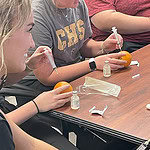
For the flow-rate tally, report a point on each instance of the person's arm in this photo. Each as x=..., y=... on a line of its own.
x=125, y=24
x=77, y=70
x=92, y=48
x=23, y=113
x=23, y=141
x=45, y=102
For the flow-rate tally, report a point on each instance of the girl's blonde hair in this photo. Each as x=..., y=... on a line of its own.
x=13, y=14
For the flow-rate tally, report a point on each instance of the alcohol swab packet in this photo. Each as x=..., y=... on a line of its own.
x=102, y=86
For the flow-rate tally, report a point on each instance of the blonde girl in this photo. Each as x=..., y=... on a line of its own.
x=16, y=22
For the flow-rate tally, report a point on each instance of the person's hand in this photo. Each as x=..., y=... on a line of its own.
x=114, y=61
x=38, y=58
x=110, y=43
x=52, y=99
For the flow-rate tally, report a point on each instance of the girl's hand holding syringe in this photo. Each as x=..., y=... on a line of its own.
x=51, y=59
x=39, y=57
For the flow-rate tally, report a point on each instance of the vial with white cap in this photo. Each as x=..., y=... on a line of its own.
x=75, y=101
x=107, y=69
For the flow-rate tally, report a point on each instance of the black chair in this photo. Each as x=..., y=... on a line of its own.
x=19, y=90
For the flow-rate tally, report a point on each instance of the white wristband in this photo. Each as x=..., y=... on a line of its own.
x=92, y=64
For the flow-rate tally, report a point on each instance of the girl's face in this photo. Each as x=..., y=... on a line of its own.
x=66, y=3
x=16, y=47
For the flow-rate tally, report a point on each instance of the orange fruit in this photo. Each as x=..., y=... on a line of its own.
x=127, y=57
x=61, y=83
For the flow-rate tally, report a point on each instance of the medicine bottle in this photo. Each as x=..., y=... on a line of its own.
x=106, y=69
x=75, y=101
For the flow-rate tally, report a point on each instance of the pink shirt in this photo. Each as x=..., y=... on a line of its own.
x=129, y=7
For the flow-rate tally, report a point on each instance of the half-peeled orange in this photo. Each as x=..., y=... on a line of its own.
x=127, y=57
x=61, y=83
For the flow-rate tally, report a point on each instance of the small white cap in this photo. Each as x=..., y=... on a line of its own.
x=148, y=106
x=106, y=61
x=74, y=92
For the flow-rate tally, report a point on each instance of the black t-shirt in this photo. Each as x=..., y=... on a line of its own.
x=6, y=139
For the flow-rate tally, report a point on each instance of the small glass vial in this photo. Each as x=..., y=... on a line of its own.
x=75, y=101
x=106, y=69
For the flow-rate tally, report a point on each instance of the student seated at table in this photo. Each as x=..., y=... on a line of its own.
x=15, y=39
x=130, y=17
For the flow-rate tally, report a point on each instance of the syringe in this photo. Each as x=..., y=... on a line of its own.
x=114, y=30
x=50, y=57
x=144, y=145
